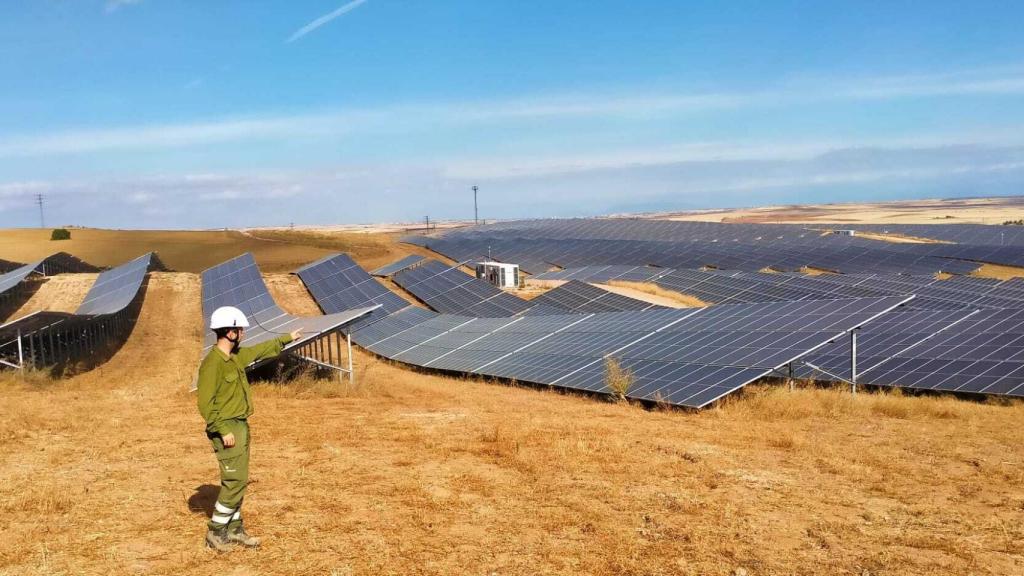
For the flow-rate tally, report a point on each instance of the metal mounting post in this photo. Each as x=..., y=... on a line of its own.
x=351, y=373
x=853, y=361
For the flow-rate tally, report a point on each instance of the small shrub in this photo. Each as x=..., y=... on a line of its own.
x=60, y=234
x=618, y=379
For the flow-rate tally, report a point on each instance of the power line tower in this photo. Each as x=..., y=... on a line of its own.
x=42, y=218
x=476, y=216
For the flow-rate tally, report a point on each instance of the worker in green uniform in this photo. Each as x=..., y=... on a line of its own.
x=225, y=401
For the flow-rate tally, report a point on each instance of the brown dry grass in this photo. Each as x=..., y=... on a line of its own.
x=899, y=238
x=812, y=271
x=928, y=211
x=409, y=473
x=999, y=272
x=657, y=295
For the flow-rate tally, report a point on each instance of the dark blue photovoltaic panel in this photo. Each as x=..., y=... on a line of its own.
x=449, y=290
x=337, y=284
x=397, y=266
x=237, y=282
x=698, y=364
x=115, y=289
x=17, y=276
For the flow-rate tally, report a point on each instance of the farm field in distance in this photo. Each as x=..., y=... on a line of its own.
x=408, y=472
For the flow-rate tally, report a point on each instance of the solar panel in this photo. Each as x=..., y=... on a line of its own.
x=17, y=276
x=46, y=338
x=982, y=354
x=337, y=284
x=447, y=289
x=60, y=262
x=707, y=356
x=237, y=282
x=116, y=288
x=398, y=266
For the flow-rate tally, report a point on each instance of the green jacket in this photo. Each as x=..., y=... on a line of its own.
x=224, y=392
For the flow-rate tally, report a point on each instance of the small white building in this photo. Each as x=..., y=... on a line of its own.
x=845, y=232
x=500, y=274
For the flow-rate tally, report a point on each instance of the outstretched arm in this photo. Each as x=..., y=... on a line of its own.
x=249, y=354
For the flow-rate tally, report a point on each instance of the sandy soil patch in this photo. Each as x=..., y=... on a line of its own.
x=999, y=272
x=60, y=293
x=654, y=294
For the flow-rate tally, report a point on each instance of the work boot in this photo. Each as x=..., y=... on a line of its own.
x=238, y=535
x=218, y=539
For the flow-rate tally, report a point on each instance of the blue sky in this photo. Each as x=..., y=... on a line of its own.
x=171, y=114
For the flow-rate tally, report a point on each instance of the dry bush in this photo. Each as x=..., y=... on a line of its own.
x=618, y=379
x=27, y=378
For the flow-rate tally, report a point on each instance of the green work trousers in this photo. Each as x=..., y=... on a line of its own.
x=234, y=474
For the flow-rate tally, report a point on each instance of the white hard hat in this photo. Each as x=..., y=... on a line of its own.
x=228, y=317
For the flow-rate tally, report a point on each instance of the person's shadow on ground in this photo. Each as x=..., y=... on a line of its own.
x=203, y=499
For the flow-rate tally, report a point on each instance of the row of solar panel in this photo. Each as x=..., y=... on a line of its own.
x=238, y=282
x=892, y=349
x=540, y=255
x=447, y=289
x=908, y=349
x=535, y=245
x=45, y=336
x=686, y=357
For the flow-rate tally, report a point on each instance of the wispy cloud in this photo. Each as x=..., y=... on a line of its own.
x=325, y=19
x=115, y=5
x=598, y=186
x=431, y=118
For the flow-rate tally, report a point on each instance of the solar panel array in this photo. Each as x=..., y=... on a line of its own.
x=339, y=284
x=46, y=338
x=58, y=263
x=979, y=352
x=897, y=352
x=543, y=245
x=237, y=282
x=447, y=289
x=891, y=351
x=115, y=288
x=688, y=357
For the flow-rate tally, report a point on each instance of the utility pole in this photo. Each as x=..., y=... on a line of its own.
x=427, y=220
x=476, y=215
x=39, y=201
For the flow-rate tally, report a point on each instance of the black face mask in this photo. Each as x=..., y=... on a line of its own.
x=234, y=342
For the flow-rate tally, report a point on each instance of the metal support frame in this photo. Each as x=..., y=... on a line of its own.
x=319, y=352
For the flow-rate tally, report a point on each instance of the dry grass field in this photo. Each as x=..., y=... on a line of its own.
x=953, y=211
x=183, y=251
x=109, y=472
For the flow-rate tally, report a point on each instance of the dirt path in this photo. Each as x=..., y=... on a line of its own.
x=409, y=473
